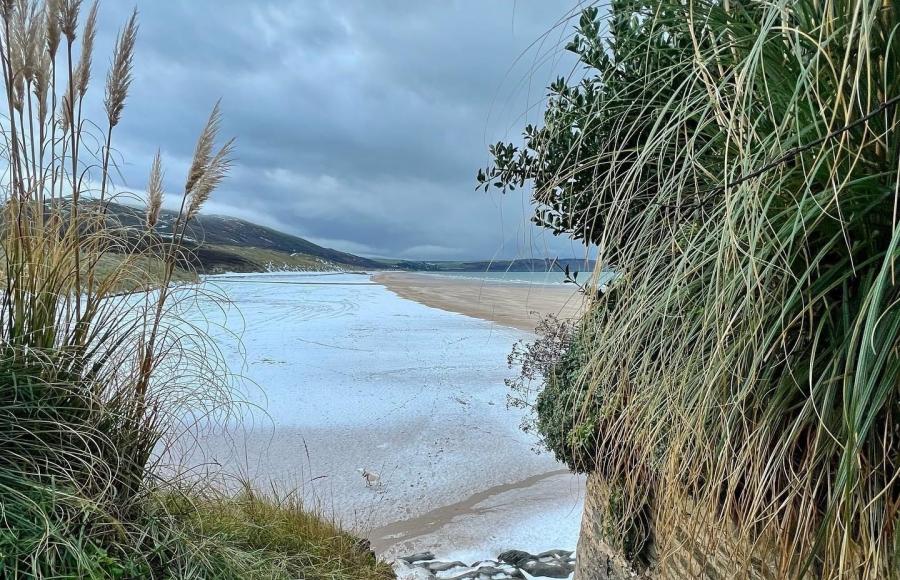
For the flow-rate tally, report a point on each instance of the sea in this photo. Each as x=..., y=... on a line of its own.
x=550, y=278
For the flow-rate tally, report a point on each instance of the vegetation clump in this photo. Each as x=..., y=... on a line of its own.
x=736, y=164
x=548, y=388
x=91, y=378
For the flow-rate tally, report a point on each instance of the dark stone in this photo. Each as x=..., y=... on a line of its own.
x=515, y=557
x=511, y=571
x=547, y=570
x=466, y=576
x=422, y=557
x=444, y=566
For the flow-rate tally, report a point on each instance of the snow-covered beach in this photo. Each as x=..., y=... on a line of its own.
x=348, y=375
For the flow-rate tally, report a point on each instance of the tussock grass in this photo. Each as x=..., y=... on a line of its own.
x=742, y=162
x=275, y=536
x=94, y=380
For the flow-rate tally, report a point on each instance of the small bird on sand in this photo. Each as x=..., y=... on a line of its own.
x=371, y=477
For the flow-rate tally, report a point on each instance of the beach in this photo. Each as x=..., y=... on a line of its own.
x=517, y=305
x=339, y=373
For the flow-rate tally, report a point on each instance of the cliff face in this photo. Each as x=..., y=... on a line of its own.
x=691, y=551
x=597, y=559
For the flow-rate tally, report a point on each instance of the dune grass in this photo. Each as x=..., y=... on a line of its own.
x=94, y=379
x=737, y=164
x=750, y=356
x=272, y=536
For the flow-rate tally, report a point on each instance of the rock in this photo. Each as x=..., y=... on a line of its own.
x=467, y=576
x=486, y=573
x=547, y=570
x=515, y=557
x=510, y=565
x=421, y=557
x=443, y=566
x=454, y=573
x=485, y=563
x=407, y=571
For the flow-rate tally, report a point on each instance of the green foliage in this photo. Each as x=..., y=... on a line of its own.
x=536, y=362
x=629, y=70
x=736, y=162
x=566, y=413
x=53, y=533
x=635, y=539
x=252, y=536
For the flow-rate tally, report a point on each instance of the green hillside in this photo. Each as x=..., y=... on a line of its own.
x=227, y=244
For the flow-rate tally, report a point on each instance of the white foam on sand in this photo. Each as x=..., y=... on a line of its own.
x=351, y=376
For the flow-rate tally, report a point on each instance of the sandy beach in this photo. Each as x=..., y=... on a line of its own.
x=340, y=373
x=516, y=305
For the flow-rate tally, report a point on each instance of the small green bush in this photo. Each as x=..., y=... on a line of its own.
x=566, y=425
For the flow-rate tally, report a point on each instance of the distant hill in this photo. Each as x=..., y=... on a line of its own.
x=227, y=244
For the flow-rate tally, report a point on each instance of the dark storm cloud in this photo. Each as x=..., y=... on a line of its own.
x=360, y=124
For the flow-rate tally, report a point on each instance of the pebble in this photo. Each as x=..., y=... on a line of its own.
x=510, y=565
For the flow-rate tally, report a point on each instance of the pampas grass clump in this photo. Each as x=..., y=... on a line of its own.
x=91, y=378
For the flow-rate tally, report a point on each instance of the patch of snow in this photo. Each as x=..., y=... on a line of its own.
x=351, y=376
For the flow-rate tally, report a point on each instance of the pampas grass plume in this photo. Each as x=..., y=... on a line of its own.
x=83, y=72
x=213, y=175
x=203, y=150
x=68, y=18
x=118, y=79
x=53, y=9
x=155, y=191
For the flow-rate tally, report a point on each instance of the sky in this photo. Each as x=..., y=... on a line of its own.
x=359, y=124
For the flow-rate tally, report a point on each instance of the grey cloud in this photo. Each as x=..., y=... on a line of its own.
x=360, y=124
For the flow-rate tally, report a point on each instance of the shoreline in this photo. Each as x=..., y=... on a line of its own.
x=355, y=375
x=517, y=305
x=550, y=491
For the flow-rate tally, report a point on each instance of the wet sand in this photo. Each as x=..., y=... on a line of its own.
x=476, y=527
x=516, y=305
x=480, y=526
x=339, y=374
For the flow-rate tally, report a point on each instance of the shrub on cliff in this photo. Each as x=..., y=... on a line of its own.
x=736, y=163
x=549, y=387
x=565, y=413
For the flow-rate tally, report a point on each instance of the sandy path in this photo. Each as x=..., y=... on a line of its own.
x=515, y=305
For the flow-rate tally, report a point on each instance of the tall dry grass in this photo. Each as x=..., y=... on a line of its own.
x=742, y=162
x=87, y=386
